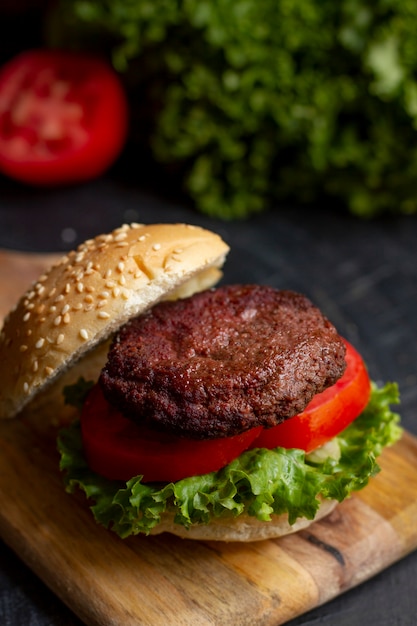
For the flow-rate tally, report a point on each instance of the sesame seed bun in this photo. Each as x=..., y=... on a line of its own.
x=91, y=292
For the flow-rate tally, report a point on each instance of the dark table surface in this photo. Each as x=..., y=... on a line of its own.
x=362, y=274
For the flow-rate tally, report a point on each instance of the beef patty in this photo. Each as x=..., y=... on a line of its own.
x=222, y=361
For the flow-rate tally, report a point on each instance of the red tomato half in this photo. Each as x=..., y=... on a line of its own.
x=327, y=414
x=118, y=449
x=63, y=117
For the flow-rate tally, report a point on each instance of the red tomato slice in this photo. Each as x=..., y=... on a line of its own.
x=118, y=449
x=63, y=117
x=327, y=414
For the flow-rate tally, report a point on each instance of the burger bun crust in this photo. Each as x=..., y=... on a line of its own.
x=243, y=528
x=91, y=292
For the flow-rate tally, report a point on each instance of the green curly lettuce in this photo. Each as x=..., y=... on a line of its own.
x=259, y=482
x=258, y=101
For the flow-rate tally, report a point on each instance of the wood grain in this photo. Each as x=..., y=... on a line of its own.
x=166, y=580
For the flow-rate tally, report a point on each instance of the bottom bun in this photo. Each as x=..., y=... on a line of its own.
x=242, y=528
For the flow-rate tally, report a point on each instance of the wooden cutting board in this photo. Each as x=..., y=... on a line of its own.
x=165, y=580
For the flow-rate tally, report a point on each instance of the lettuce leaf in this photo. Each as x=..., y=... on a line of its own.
x=259, y=482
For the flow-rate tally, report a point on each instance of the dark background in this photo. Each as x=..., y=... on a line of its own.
x=362, y=274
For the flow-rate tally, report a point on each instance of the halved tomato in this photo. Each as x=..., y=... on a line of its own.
x=63, y=117
x=119, y=449
x=327, y=414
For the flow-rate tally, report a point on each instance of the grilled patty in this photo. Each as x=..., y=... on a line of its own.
x=222, y=361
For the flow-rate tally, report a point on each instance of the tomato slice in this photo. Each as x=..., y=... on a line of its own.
x=63, y=117
x=327, y=414
x=119, y=449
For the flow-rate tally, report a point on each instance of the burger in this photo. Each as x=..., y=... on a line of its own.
x=215, y=412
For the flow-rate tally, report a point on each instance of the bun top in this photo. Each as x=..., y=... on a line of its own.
x=91, y=292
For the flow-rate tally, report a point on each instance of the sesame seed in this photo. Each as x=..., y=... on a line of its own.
x=57, y=320
x=80, y=287
x=88, y=307
x=103, y=294
x=103, y=315
x=67, y=288
x=156, y=246
x=59, y=298
x=60, y=339
x=26, y=316
x=101, y=304
x=125, y=294
x=83, y=333
x=89, y=299
x=116, y=292
x=67, y=318
x=122, y=280
x=110, y=284
x=52, y=308
x=23, y=348
x=26, y=388
x=120, y=236
x=121, y=244
x=48, y=370
x=142, y=238
x=120, y=266
x=35, y=366
x=65, y=309
x=77, y=307
x=89, y=289
x=51, y=293
x=40, y=343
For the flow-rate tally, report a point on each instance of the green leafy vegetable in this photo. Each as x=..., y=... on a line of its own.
x=260, y=482
x=75, y=394
x=261, y=100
